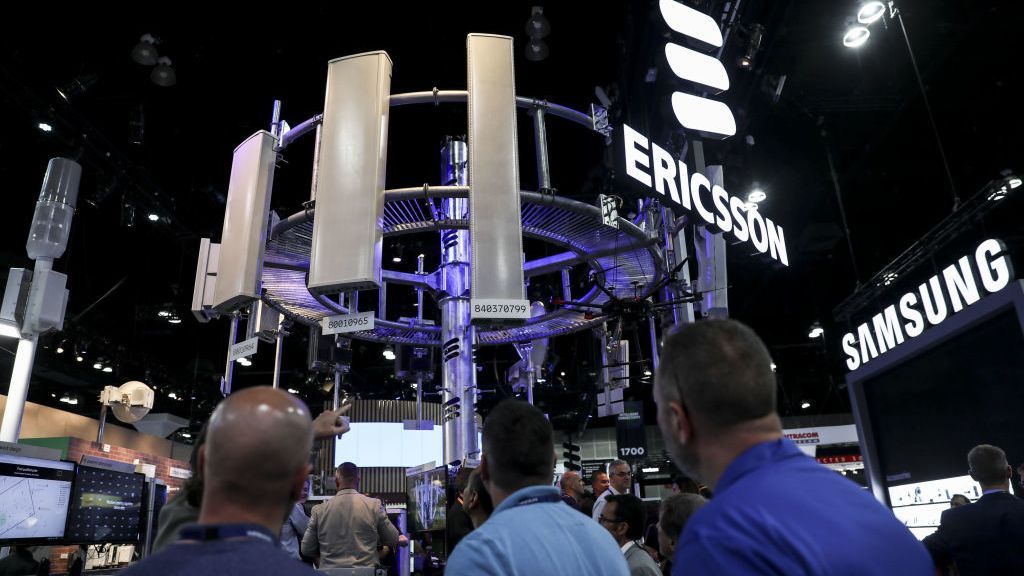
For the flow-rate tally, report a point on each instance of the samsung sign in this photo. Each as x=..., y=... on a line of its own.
x=661, y=175
x=958, y=286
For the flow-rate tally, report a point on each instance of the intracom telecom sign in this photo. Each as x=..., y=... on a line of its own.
x=656, y=169
x=959, y=284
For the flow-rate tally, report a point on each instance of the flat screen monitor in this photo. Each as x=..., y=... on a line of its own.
x=106, y=506
x=922, y=406
x=427, y=500
x=34, y=497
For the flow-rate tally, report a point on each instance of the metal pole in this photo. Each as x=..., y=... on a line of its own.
x=566, y=286
x=654, y=342
x=842, y=210
x=419, y=289
x=928, y=108
x=540, y=135
x=103, y=424
x=229, y=370
x=275, y=120
x=277, y=355
x=419, y=398
x=10, y=429
x=316, y=162
x=458, y=371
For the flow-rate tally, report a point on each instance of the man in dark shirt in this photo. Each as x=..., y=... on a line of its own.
x=775, y=510
x=458, y=523
x=986, y=537
x=572, y=489
x=254, y=465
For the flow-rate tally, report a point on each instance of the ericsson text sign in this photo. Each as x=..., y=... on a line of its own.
x=670, y=179
x=958, y=286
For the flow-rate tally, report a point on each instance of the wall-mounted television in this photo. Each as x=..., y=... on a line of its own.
x=34, y=498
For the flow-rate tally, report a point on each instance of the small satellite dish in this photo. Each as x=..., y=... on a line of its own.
x=130, y=402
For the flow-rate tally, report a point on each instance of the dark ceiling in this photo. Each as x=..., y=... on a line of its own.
x=863, y=105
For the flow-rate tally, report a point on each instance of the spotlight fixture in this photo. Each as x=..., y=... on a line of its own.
x=144, y=52
x=647, y=372
x=397, y=258
x=889, y=278
x=77, y=87
x=389, y=353
x=154, y=217
x=164, y=314
x=174, y=319
x=856, y=36
x=186, y=435
x=773, y=366
x=536, y=50
x=163, y=74
x=537, y=26
x=44, y=127
x=108, y=369
x=98, y=366
x=746, y=61
x=816, y=331
x=805, y=405
x=870, y=12
x=60, y=348
x=79, y=358
x=172, y=395
x=293, y=391
x=750, y=206
x=756, y=195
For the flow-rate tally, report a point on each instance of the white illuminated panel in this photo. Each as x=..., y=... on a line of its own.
x=920, y=506
x=703, y=115
x=388, y=444
x=696, y=67
x=690, y=22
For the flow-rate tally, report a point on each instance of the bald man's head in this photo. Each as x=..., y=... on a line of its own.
x=257, y=448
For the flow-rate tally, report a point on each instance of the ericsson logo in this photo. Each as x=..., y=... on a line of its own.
x=707, y=117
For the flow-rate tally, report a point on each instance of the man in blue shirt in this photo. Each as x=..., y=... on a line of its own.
x=775, y=511
x=531, y=531
x=254, y=465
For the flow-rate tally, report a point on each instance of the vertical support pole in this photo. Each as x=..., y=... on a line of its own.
x=566, y=286
x=229, y=370
x=654, y=342
x=100, y=431
x=540, y=136
x=675, y=251
x=279, y=338
x=10, y=429
x=714, y=279
x=458, y=371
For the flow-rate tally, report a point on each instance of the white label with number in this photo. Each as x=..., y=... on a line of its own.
x=631, y=451
x=347, y=323
x=500, y=309
x=243, y=349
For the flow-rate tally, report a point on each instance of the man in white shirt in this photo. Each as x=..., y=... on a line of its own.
x=619, y=477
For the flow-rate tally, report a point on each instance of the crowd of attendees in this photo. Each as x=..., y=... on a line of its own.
x=749, y=502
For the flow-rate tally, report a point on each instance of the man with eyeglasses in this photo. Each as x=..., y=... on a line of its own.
x=619, y=477
x=624, y=518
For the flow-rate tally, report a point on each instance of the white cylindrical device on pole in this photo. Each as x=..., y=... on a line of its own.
x=51, y=223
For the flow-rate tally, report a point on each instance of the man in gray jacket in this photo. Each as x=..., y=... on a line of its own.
x=623, y=516
x=344, y=531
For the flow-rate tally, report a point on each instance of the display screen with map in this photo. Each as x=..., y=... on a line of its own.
x=106, y=506
x=34, y=497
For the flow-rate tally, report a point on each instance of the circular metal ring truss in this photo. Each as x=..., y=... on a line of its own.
x=623, y=259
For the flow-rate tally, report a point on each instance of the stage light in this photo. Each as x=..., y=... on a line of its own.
x=870, y=12
x=537, y=26
x=108, y=369
x=186, y=435
x=163, y=74
x=756, y=195
x=389, y=354
x=77, y=87
x=536, y=50
x=746, y=61
x=79, y=358
x=174, y=320
x=293, y=391
x=154, y=217
x=816, y=331
x=145, y=51
x=1014, y=182
x=856, y=36
x=172, y=395
x=750, y=206
x=60, y=349
x=163, y=314
x=773, y=366
x=98, y=366
x=647, y=372
x=44, y=127
x=805, y=405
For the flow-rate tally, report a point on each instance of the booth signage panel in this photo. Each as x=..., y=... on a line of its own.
x=957, y=286
x=345, y=323
x=107, y=464
x=630, y=435
x=180, y=473
x=243, y=349
x=807, y=439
